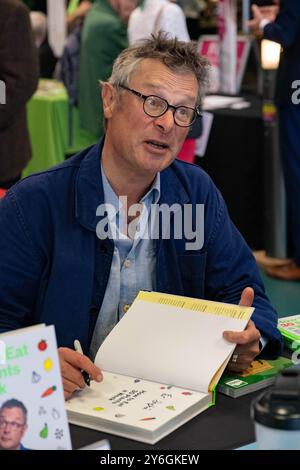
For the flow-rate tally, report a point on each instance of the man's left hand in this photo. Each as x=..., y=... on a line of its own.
x=247, y=341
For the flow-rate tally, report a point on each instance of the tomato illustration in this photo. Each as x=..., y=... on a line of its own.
x=42, y=345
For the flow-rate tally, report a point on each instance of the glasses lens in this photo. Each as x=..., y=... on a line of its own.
x=155, y=106
x=12, y=424
x=184, y=116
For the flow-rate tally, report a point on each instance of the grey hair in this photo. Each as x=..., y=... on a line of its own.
x=179, y=56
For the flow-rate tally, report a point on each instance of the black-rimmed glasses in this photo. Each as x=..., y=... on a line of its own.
x=155, y=106
x=12, y=424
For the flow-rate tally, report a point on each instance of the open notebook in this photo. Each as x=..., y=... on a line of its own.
x=161, y=364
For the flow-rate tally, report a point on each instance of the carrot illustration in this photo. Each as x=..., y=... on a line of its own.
x=49, y=391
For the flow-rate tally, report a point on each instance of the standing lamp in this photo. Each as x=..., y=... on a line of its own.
x=275, y=225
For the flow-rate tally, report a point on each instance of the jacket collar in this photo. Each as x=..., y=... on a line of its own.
x=89, y=192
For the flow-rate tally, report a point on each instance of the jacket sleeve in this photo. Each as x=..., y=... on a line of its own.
x=286, y=27
x=20, y=267
x=230, y=268
x=19, y=67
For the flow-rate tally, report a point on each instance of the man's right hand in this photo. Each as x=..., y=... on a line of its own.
x=269, y=12
x=259, y=13
x=71, y=365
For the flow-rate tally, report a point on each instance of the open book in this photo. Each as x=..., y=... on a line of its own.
x=32, y=405
x=160, y=364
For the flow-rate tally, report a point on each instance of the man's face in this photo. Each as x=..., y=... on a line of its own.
x=12, y=428
x=131, y=134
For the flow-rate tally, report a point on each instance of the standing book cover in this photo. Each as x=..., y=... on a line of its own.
x=289, y=327
x=260, y=374
x=160, y=364
x=32, y=405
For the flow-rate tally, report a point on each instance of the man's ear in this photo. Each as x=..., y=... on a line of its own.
x=109, y=98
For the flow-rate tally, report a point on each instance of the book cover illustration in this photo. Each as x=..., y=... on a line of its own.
x=32, y=408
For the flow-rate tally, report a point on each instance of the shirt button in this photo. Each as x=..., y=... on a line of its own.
x=127, y=263
x=125, y=308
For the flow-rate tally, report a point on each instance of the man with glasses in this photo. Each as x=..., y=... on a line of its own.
x=13, y=425
x=72, y=246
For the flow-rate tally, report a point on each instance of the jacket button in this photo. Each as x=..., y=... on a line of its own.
x=126, y=307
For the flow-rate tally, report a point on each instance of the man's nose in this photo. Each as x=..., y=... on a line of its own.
x=166, y=121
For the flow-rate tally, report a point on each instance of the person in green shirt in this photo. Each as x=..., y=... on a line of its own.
x=103, y=37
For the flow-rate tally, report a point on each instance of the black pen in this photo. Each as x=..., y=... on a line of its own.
x=85, y=375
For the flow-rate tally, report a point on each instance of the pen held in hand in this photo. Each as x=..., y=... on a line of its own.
x=85, y=375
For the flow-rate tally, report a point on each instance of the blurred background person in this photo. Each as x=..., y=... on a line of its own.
x=19, y=71
x=154, y=16
x=67, y=69
x=38, y=21
x=77, y=13
x=283, y=27
x=103, y=37
x=46, y=57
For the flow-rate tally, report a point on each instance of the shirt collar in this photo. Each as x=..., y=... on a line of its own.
x=151, y=197
x=89, y=191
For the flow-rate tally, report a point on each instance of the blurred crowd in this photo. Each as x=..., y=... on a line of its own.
x=73, y=41
x=77, y=42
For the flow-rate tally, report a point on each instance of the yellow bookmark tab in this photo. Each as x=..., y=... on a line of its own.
x=199, y=305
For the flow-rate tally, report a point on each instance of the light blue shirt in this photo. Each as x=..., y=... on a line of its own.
x=133, y=264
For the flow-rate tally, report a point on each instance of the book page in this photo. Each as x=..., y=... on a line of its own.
x=129, y=401
x=172, y=339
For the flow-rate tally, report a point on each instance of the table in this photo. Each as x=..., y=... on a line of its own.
x=234, y=160
x=48, y=122
x=227, y=425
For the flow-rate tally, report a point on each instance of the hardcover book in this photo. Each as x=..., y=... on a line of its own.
x=32, y=405
x=259, y=375
x=289, y=327
x=160, y=365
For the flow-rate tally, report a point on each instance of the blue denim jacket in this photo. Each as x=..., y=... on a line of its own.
x=54, y=269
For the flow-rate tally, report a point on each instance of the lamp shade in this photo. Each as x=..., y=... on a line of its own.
x=270, y=54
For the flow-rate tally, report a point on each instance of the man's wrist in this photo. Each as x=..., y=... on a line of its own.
x=263, y=23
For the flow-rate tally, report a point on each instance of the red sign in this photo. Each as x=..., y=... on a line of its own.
x=209, y=47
